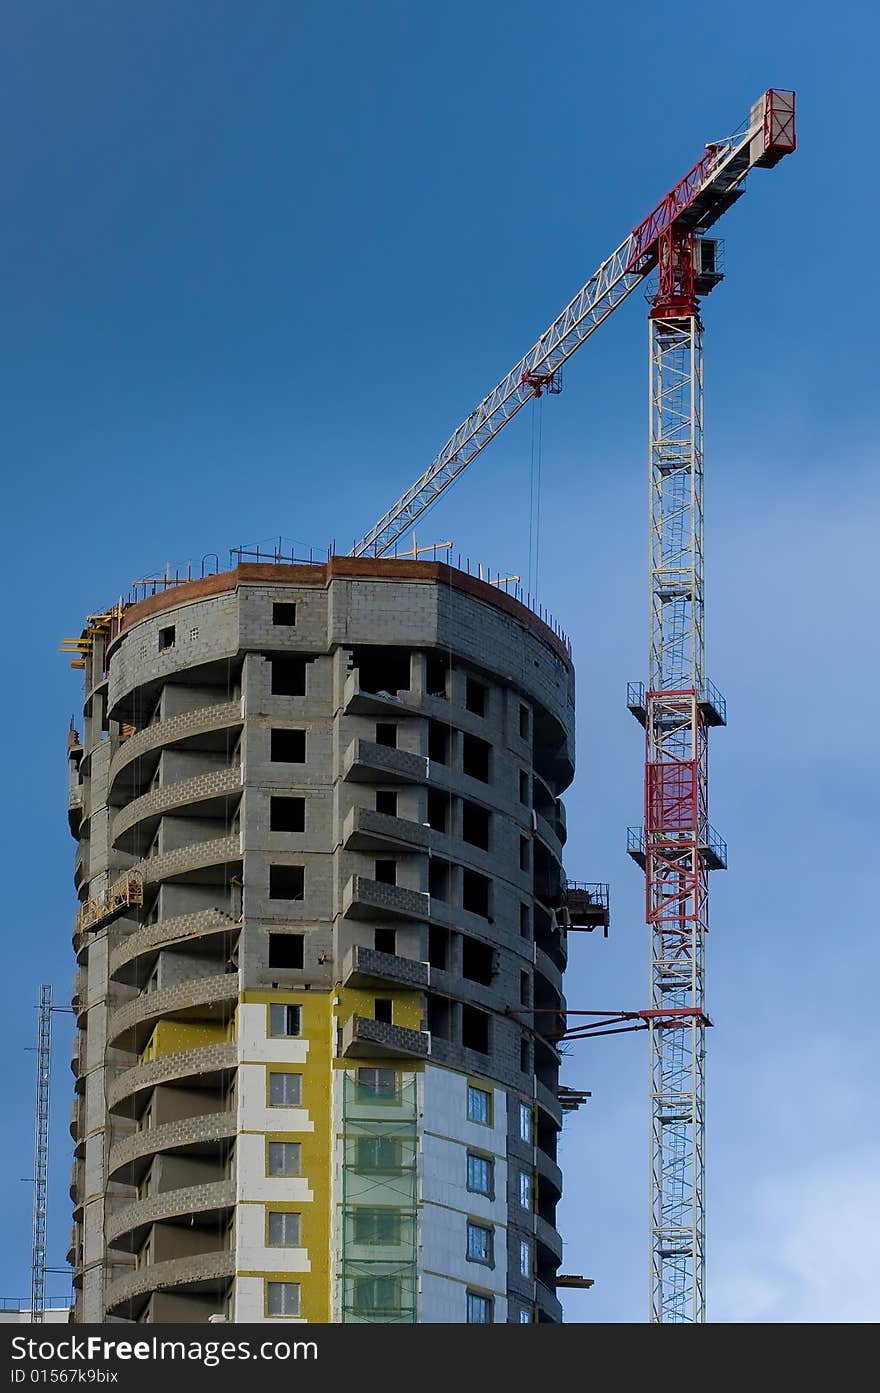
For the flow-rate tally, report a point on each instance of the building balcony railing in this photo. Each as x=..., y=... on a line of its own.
x=366, y=830
x=74, y=804
x=202, y=998
x=366, y=967
x=548, y=1301
x=183, y=725
x=373, y=899
x=207, y=1063
x=125, y=1228
x=186, y=859
x=365, y=1038
x=205, y=1271
x=77, y=1055
x=357, y=701
x=548, y=1171
x=129, y=1156
x=368, y=762
x=548, y=1237
x=547, y=1099
x=207, y=787
x=131, y=959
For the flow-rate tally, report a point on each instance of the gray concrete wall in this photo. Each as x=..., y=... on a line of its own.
x=204, y=706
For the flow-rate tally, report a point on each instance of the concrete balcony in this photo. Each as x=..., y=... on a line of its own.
x=77, y=1059
x=367, y=762
x=548, y=969
x=204, y=1272
x=211, y=1203
x=548, y=1171
x=132, y=959
x=548, y=1302
x=74, y=805
x=210, y=999
x=78, y=995
x=207, y=1063
x=81, y=866
x=547, y=1099
x=204, y=1134
x=358, y=702
x=75, y=1125
x=187, y=861
x=365, y=967
x=363, y=1038
x=212, y=789
x=547, y=1236
x=176, y=728
x=549, y=835
x=373, y=899
x=366, y=830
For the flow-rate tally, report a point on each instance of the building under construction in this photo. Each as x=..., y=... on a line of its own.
x=321, y=943
x=324, y=914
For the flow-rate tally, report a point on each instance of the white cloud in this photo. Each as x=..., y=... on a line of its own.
x=812, y=1253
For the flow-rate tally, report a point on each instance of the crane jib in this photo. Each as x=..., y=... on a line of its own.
x=701, y=196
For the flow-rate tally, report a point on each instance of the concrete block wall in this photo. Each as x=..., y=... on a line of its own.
x=206, y=809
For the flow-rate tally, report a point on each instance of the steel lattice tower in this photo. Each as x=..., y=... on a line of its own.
x=675, y=819
x=679, y=848
x=41, y=1152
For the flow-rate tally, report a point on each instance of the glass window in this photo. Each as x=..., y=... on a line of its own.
x=479, y=1174
x=378, y=1153
x=282, y=1298
x=377, y=1294
x=379, y=1226
x=285, y=1090
x=525, y=1317
x=282, y=1157
x=525, y=1122
x=525, y=1189
x=284, y=1020
x=479, y=1309
x=479, y=1105
x=479, y=1242
x=376, y=1083
x=283, y=1229
x=525, y=1257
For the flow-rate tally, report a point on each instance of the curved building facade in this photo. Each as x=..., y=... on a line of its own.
x=320, y=950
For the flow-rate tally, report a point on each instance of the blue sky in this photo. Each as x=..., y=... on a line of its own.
x=260, y=260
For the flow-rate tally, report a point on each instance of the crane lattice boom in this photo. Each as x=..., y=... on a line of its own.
x=677, y=846
x=696, y=201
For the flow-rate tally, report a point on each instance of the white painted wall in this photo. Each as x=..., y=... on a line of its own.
x=254, y=1115
x=252, y=1254
x=254, y=1189
x=250, y=1304
x=447, y=1134
x=255, y=1047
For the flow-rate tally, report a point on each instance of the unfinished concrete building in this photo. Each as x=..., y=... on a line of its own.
x=320, y=944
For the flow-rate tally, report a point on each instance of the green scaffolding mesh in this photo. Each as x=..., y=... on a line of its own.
x=379, y=1201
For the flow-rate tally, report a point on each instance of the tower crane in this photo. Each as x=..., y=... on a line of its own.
x=677, y=847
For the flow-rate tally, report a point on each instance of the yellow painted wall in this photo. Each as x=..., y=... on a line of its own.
x=407, y=1007
x=316, y=1153
x=172, y=1036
